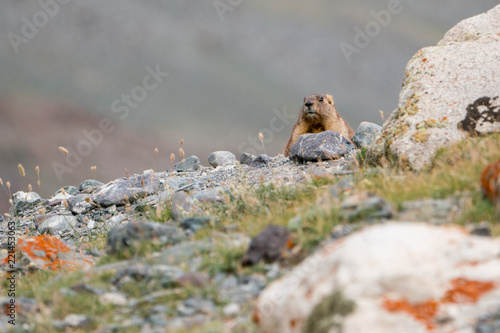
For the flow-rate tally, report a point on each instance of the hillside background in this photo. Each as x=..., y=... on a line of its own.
x=225, y=76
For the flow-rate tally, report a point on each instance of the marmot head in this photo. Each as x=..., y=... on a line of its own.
x=317, y=107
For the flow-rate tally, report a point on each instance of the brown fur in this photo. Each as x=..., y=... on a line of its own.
x=318, y=114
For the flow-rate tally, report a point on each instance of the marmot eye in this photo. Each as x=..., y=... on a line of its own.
x=321, y=99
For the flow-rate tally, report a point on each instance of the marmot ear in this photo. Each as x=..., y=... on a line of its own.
x=329, y=98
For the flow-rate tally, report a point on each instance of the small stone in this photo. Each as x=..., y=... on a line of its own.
x=366, y=134
x=294, y=223
x=193, y=306
x=195, y=279
x=24, y=200
x=327, y=145
x=221, y=158
x=246, y=158
x=366, y=205
x=231, y=310
x=77, y=321
x=69, y=191
x=260, y=161
x=209, y=196
x=192, y=163
x=183, y=205
x=113, y=299
x=58, y=224
x=196, y=223
x=266, y=246
x=90, y=185
x=91, y=224
x=133, y=233
x=125, y=190
x=81, y=203
x=480, y=229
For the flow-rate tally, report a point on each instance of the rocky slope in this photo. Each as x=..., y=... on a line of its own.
x=338, y=246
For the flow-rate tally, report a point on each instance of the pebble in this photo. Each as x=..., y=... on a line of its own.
x=246, y=158
x=366, y=134
x=58, y=224
x=221, y=158
x=90, y=185
x=260, y=161
x=183, y=206
x=191, y=163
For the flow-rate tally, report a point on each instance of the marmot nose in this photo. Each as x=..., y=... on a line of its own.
x=308, y=104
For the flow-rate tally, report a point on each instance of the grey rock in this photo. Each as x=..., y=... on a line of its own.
x=489, y=323
x=160, y=198
x=260, y=161
x=450, y=92
x=113, y=298
x=192, y=163
x=183, y=252
x=194, y=224
x=77, y=321
x=90, y=185
x=81, y=203
x=193, y=306
x=339, y=188
x=480, y=229
x=24, y=200
x=366, y=134
x=294, y=223
x=209, y=196
x=221, y=158
x=432, y=210
x=195, y=279
x=183, y=206
x=179, y=183
x=65, y=193
x=342, y=230
x=246, y=158
x=58, y=224
x=266, y=246
x=231, y=310
x=125, y=190
x=133, y=234
x=366, y=206
x=167, y=275
x=116, y=220
x=327, y=145
x=240, y=290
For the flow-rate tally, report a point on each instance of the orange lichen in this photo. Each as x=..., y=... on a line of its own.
x=47, y=249
x=423, y=312
x=489, y=181
x=466, y=291
x=424, y=60
x=462, y=291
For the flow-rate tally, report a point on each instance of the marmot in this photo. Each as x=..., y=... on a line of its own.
x=318, y=114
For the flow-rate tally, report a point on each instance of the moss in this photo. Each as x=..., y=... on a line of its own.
x=329, y=313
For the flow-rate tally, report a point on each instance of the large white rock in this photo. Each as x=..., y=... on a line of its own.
x=384, y=270
x=450, y=91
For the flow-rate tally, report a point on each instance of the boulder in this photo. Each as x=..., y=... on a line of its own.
x=393, y=277
x=221, y=158
x=450, y=92
x=327, y=145
x=124, y=190
x=47, y=252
